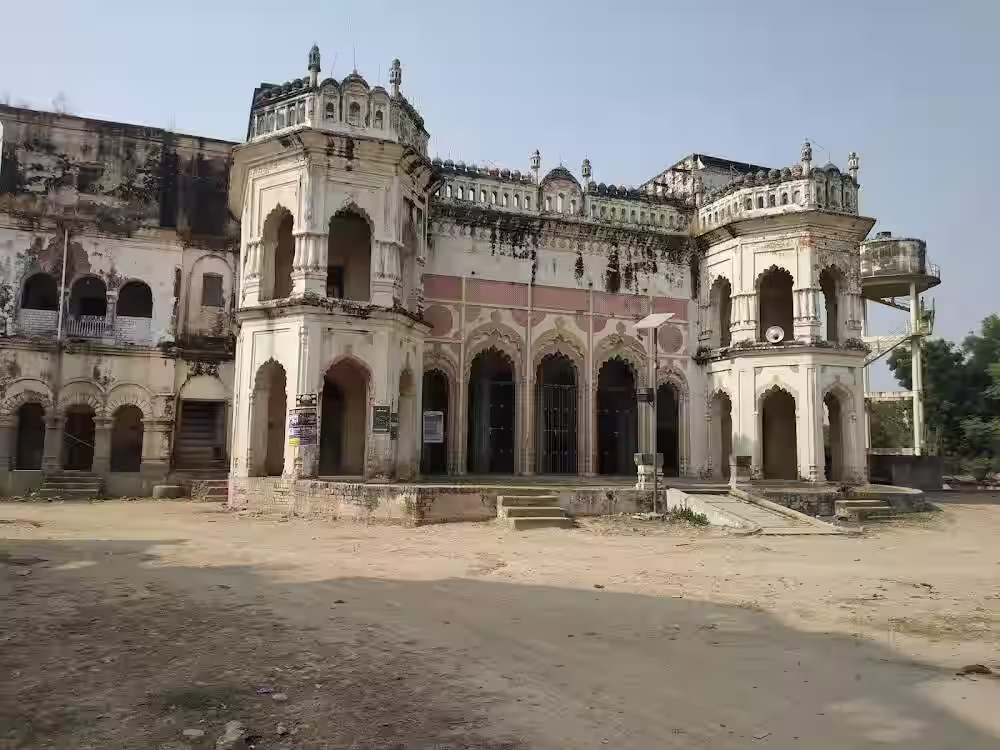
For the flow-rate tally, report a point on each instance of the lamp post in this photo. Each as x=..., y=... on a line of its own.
x=652, y=323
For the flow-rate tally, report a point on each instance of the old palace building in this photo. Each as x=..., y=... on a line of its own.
x=326, y=300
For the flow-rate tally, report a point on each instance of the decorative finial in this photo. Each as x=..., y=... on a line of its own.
x=395, y=76
x=586, y=170
x=852, y=164
x=314, y=64
x=807, y=155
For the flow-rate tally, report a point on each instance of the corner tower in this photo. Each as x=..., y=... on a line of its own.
x=780, y=311
x=331, y=187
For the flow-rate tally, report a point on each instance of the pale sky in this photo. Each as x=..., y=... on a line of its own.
x=911, y=85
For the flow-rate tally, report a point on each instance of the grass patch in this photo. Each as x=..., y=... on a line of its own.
x=688, y=515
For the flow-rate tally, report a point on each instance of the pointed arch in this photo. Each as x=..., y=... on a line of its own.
x=349, y=254
x=626, y=348
x=277, y=254
x=775, y=302
x=268, y=418
x=777, y=408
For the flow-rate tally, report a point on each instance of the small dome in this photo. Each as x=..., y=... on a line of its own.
x=436, y=161
x=459, y=164
x=560, y=173
x=602, y=189
x=355, y=78
x=796, y=170
x=516, y=174
x=449, y=163
x=786, y=173
x=505, y=174
x=831, y=167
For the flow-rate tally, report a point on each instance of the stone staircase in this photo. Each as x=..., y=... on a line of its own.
x=198, y=451
x=859, y=510
x=69, y=485
x=529, y=509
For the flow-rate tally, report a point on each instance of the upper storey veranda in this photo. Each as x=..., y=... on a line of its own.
x=350, y=106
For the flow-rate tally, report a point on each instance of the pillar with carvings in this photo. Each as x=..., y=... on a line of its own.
x=387, y=280
x=102, y=446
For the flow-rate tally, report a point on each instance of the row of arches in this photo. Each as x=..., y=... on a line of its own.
x=775, y=305
x=778, y=435
x=78, y=438
x=349, y=250
x=490, y=437
x=88, y=296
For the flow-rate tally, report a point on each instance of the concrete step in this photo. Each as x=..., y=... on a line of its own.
x=861, y=503
x=527, y=511
x=520, y=500
x=72, y=486
x=73, y=494
x=541, y=522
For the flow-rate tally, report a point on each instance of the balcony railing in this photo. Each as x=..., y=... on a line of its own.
x=122, y=330
x=899, y=265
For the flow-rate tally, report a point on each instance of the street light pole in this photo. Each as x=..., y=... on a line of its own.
x=652, y=323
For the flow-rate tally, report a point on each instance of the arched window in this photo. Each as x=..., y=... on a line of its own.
x=642, y=217
x=40, y=293
x=760, y=201
x=748, y=204
x=354, y=114
x=572, y=207
x=527, y=203
x=276, y=255
x=331, y=111
x=482, y=196
x=770, y=200
x=378, y=120
x=517, y=200
x=135, y=300
x=548, y=202
x=493, y=197
x=633, y=216
x=775, y=305
x=447, y=191
x=784, y=199
x=472, y=194
x=505, y=200
x=796, y=197
x=602, y=211
x=88, y=298
x=349, y=251
x=559, y=203
x=461, y=193
x=593, y=211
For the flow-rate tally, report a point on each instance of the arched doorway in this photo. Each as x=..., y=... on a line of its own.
x=126, y=439
x=721, y=299
x=617, y=419
x=721, y=409
x=491, y=414
x=434, y=457
x=668, y=433
x=406, y=437
x=834, y=437
x=349, y=257
x=277, y=255
x=775, y=306
x=343, y=427
x=135, y=300
x=556, y=426
x=778, y=438
x=78, y=438
x=30, y=445
x=268, y=417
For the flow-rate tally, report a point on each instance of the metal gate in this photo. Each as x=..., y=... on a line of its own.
x=617, y=430
x=501, y=428
x=557, y=437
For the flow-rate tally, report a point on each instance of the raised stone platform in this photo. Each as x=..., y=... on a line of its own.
x=414, y=504
x=832, y=500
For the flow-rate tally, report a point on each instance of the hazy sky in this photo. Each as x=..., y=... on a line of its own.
x=912, y=85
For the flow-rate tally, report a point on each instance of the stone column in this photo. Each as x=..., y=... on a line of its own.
x=8, y=438
x=250, y=287
x=52, y=455
x=387, y=281
x=102, y=446
x=156, y=448
x=530, y=464
x=309, y=265
x=303, y=460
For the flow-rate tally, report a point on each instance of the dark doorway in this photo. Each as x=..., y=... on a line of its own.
x=774, y=295
x=201, y=436
x=342, y=420
x=434, y=458
x=491, y=414
x=267, y=422
x=78, y=439
x=778, y=428
x=126, y=439
x=135, y=300
x=722, y=434
x=30, y=437
x=556, y=419
x=617, y=419
x=833, y=438
x=668, y=419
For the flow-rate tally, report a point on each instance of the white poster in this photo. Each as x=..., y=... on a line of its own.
x=433, y=426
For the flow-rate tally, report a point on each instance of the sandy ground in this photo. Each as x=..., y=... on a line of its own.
x=123, y=625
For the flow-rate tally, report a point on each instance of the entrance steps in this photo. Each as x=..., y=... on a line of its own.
x=69, y=485
x=532, y=511
x=858, y=510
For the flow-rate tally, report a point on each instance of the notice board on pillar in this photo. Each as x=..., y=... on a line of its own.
x=302, y=427
x=381, y=417
x=433, y=426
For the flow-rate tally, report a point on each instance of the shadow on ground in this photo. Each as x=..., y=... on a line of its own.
x=107, y=644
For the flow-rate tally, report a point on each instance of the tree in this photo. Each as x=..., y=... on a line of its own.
x=961, y=395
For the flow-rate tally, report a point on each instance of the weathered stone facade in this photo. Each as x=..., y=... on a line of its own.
x=400, y=316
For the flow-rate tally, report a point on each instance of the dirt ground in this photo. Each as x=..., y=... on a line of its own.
x=154, y=624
